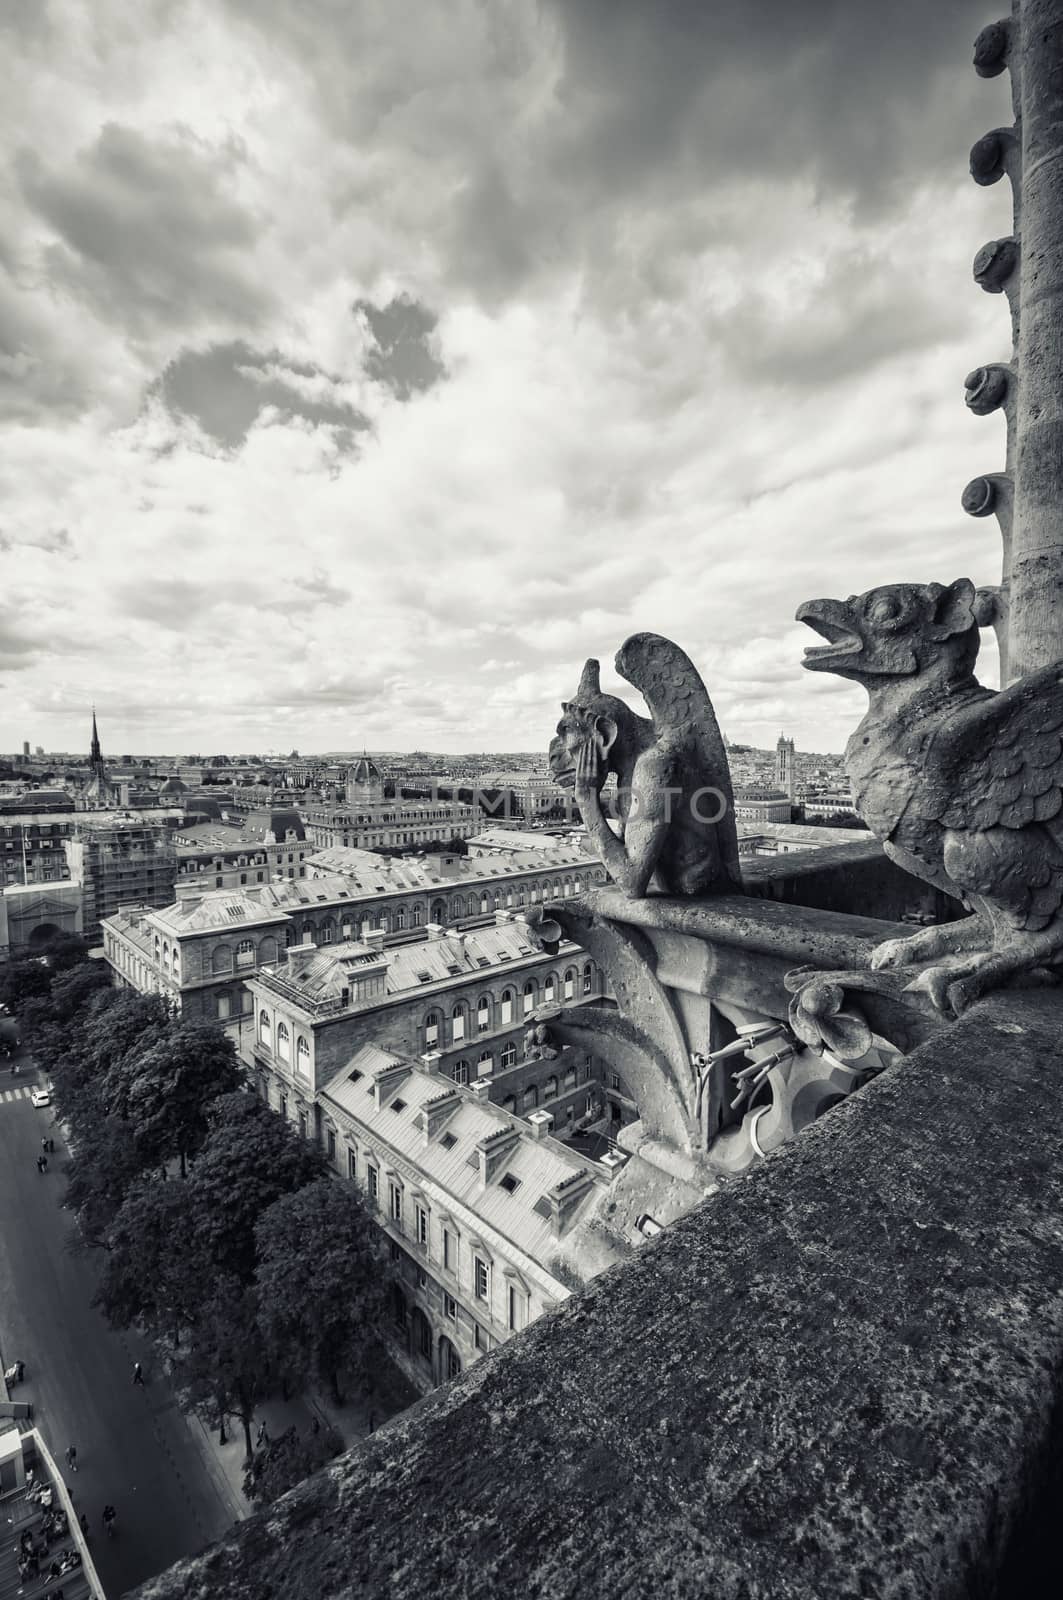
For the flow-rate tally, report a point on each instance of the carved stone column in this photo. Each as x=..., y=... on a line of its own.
x=1028, y=268
x=1036, y=633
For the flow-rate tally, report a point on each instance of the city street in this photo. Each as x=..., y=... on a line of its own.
x=134, y=1447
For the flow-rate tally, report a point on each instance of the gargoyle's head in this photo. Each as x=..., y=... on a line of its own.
x=898, y=630
x=590, y=719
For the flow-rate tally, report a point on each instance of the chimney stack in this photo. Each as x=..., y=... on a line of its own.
x=541, y=1124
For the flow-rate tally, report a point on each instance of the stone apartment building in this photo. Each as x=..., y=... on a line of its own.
x=202, y=949
x=462, y=1000
x=31, y=848
x=393, y=824
x=490, y=1221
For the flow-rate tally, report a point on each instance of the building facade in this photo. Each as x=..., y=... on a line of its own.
x=121, y=863
x=488, y=1218
x=463, y=1001
x=393, y=824
x=762, y=805
x=785, y=770
x=202, y=949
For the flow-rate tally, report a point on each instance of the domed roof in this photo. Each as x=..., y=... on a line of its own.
x=174, y=785
x=363, y=771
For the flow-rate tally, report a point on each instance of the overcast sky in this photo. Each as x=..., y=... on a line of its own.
x=366, y=364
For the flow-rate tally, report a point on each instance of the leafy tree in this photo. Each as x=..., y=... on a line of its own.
x=102, y=1171
x=169, y=1085
x=251, y=1158
x=24, y=979
x=222, y=1370
x=323, y=1283
x=155, y=1275
x=64, y=951
x=279, y=1464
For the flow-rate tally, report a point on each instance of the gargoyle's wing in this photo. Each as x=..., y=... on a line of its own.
x=681, y=709
x=999, y=762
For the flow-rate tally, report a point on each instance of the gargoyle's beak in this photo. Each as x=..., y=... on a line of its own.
x=834, y=621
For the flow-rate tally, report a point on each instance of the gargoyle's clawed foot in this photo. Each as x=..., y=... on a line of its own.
x=940, y=982
x=894, y=953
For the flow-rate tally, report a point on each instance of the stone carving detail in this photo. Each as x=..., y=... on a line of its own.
x=674, y=797
x=963, y=785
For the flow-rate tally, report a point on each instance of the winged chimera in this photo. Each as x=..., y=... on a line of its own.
x=963, y=784
x=674, y=798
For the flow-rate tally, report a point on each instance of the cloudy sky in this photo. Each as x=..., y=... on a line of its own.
x=366, y=364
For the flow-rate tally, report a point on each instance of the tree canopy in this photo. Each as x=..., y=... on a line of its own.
x=322, y=1280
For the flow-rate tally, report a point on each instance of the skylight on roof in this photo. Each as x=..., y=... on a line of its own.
x=509, y=1182
x=355, y=1075
x=448, y=1141
x=397, y=1105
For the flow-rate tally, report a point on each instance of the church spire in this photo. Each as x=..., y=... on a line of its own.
x=94, y=753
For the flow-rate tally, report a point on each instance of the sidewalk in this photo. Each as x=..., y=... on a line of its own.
x=225, y=1462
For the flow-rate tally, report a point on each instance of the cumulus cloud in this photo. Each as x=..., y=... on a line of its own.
x=365, y=368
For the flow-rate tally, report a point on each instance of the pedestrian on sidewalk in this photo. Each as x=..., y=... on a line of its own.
x=263, y=1433
x=72, y=1457
x=42, y=1163
x=83, y=1519
x=138, y=1376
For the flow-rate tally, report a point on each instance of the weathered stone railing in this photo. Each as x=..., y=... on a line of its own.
x=840, y=1376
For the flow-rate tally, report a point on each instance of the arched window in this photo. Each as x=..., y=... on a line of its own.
x=422, y=1336
x=460, y=1071
x=507, y=1007
x=533, y=893
x=302, y=1056
x=400, y=918
x=417, y=916
x=485, y=904
x=457, y=908
x=520, y=896
x=588, y=977
x=550, y=1088
x=289, y=936
x=485, y=1065
x=245, y=953
x=578, y=882
x=570, y=1077
x=158, y=949
x=509, y=1055
x=224, y=1003
x=308, y=933
x=557, y=887
x=265, y=1029
x=267, y=950
x=432, y=1024
x=457, y=1023
x=327, y=931
x=449, y=1360
x=531, y=1097
x=483, y=1014
x=531, y=989
x=570, y=983
x=385, y=919
x=166, y=952
x=400, y=1311
x=175, y=965
x=284, y=1048
x=550, y=989
x=439, y=911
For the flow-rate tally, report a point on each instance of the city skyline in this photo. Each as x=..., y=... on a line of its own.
x=366, y=376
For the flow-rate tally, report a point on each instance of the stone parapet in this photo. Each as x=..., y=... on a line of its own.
x=840, y=1376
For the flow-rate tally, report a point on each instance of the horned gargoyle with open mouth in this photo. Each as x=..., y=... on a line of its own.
x=963, y=784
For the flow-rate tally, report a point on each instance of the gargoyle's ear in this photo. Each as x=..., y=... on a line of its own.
x=605, y=731
x=954, y=608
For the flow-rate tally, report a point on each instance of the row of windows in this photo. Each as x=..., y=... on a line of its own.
x=491, y=1014
x=284, y=1043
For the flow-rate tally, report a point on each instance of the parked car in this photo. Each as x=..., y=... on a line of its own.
x=40, y=1097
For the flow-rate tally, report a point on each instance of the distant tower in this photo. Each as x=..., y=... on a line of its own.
x=784, y=766
x=95, y=757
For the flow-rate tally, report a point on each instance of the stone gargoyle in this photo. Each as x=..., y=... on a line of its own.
x=673, y=795
x=962, y=784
